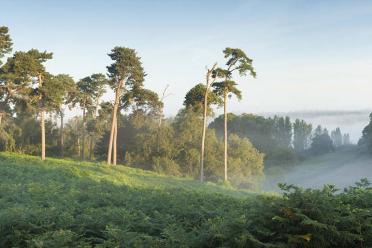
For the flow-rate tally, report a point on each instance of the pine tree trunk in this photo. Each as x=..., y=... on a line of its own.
x=42, y=124
x=114, y=144
x=61, y=137
x=114, y=113
x=225, y=134
x=42, y=127
x=83, y=137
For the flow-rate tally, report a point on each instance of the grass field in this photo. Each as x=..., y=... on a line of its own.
x=65, y=203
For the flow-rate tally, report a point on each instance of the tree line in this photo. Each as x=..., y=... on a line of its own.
x=29, y=93
x=132, y=128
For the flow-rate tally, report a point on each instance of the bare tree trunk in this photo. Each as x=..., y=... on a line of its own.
x=1, y=117
x=225, y=131
x=203, y=136
x=83, y=136
x=114, y=144
x=202, y=148
x=42, y=126
x=114, y=114
x=61, y=136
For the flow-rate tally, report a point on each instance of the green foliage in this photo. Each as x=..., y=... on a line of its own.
x=271, y=136
x=5, y=42
x=336, y=137
x=88, y=92
x=127, y=66
x=62, y=203
x=366, y=140
x=301, y=135
x=237, y=60
x=195, y=98
x=321, y=142
x=174, y=148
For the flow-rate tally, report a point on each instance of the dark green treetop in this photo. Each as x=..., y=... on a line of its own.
x=195, y=98
x=238, y=61
x=89, y=90
x=127, y=67
x=5, y=42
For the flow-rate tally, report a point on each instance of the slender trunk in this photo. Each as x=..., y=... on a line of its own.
x=203, y=135
x=158, y=134
x=114, y=113
x=225, y=132
x=42, y=124
x=61, y=136
x=83, y=136
x=42, y=127
x=1, y=117
x=114, y=142
x=90, y=148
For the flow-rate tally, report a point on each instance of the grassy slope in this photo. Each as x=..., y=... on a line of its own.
x=71, y=201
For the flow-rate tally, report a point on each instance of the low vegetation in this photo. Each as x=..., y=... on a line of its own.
x=66, y=203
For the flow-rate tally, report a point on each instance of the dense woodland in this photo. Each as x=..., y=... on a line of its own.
x=131, y=128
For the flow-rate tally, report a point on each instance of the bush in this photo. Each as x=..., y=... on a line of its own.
x=166, y=166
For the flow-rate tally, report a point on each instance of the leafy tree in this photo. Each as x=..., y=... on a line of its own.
x=5, y=47
x=5, y=42
x=321, y=142
x=346, y=139
x=283, y=131
x=126, y=71
x=366, y=140
x=24, y=75
x=67, y=87
x=263, y=133
x=238, y=61
x=336, y=137
x=89, y=91
x=301, y=135
x=200, y=98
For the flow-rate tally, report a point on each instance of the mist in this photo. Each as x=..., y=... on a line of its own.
x=341, y=168
x=351, y=122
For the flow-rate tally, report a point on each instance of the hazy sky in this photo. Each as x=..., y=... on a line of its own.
x=309, y=55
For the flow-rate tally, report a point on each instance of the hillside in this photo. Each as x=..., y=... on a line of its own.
x=64, y=203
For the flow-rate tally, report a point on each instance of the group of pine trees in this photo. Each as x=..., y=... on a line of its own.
x=32, y=99
x=132, y=129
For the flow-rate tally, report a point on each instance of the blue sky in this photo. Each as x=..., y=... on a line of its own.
x=309, y=55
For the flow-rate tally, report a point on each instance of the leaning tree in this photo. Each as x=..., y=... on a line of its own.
x=199, y=99
x=125, y=71
x=237, y=61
